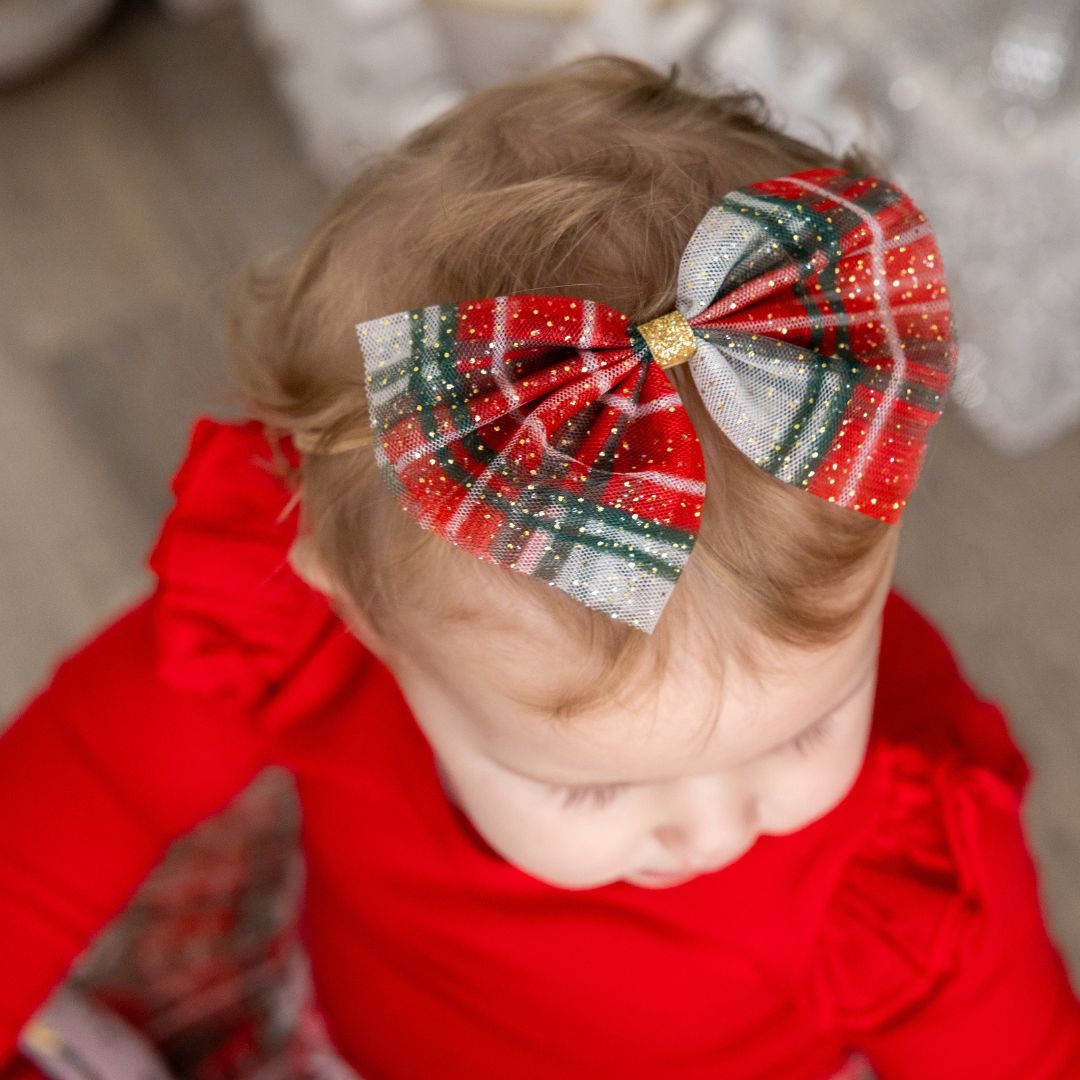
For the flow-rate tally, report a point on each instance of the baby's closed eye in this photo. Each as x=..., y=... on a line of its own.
x=806, y=740
x=594, y=795
x=597, y=796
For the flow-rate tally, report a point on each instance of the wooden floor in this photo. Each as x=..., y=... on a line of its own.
x=137, y=177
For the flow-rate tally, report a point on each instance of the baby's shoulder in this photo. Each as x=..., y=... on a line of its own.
x=232, y=618
x=926, y=701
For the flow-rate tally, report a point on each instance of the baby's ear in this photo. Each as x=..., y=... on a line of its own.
x=309, y=568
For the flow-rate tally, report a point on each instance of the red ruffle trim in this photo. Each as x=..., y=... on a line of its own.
x=232, y=617
x=903, y=913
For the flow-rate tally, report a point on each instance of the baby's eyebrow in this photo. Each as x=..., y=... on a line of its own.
x=551, y=781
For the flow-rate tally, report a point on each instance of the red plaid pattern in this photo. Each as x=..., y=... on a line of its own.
x=204, y=966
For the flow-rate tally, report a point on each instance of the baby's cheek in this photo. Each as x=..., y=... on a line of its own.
x=528, y=826
x=514, y=822
x=808, y=790
x=565, y=847
x=573, y=855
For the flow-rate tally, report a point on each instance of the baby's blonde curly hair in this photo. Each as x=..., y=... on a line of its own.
x=586, y=180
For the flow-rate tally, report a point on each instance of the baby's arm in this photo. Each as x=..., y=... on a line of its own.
x=160, y=719
x=99, y=772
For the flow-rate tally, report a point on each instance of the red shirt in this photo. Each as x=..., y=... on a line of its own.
x=905, y=922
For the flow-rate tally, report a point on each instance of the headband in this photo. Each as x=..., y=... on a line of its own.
x=541, y=433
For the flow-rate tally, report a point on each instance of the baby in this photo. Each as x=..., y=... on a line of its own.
x=617, y=753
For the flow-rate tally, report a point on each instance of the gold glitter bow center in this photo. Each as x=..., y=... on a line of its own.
x=670, y=339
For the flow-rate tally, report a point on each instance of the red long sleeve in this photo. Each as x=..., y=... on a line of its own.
x=155, y=722
x=98, y=773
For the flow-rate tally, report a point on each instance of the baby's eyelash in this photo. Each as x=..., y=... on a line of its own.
x=595, y=796
x=599, y=796
x=803, y=743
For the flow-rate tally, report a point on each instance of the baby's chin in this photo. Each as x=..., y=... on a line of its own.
x=569, y=883
x=651, y=881
x=640, y=880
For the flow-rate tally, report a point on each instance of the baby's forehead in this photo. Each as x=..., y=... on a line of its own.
x=509, y=665
x=680, y=728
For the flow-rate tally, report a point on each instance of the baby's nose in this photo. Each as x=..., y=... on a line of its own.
x=707, y=823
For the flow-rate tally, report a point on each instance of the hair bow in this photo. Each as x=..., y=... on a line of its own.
x=541, y=434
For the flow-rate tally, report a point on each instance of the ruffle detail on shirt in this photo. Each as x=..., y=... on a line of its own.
x=232, y=618
x=902, y=914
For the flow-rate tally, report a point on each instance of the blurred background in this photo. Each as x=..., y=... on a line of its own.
x=150, y=149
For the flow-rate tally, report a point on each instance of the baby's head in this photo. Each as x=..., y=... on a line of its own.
x=583, y=750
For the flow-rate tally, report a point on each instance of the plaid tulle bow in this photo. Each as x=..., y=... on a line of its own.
x=541, y=433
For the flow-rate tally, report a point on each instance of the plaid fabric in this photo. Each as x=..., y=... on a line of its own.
x=857, y=1067
x=205, y=965
x=540, y=433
